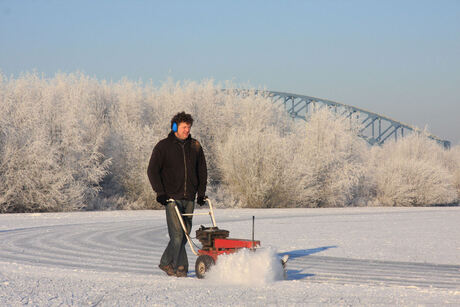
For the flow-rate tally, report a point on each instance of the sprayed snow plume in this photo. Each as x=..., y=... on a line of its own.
x=247, y=268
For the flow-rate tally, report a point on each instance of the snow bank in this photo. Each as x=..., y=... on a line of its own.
x=247, y=268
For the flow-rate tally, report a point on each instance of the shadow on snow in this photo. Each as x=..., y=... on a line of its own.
x=297, y=274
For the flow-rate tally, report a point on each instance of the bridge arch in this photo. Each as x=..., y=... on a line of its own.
x=376, y=128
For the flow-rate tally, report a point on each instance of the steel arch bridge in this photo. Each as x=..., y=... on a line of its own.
x=376, y=128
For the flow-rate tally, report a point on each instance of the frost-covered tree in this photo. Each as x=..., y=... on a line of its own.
x=330, y=167
x=50, y=141
x=253, y=143
x=452, y=162
x=254, y=167
x=412, y=172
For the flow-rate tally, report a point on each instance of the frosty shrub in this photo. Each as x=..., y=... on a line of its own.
x=128, y=144
x=254, y=145
x=254, y=167
x=412, y=172
x=330, y=167
x=50, y=142
x=452, y=162
x=272, y=167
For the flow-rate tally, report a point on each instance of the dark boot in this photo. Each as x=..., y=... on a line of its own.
x=181, y=272
x=168, y=269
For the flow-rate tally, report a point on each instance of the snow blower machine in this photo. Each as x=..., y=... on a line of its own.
x=215, y=242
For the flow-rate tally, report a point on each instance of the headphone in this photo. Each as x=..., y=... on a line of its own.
x=174, y=127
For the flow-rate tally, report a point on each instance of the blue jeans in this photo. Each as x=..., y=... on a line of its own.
x=175, y=253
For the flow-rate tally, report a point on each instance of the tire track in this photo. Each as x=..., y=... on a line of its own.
x=354, y=271
x=67, y=243
x=121, y=247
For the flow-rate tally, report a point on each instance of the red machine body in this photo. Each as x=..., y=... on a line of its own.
x=227, y=246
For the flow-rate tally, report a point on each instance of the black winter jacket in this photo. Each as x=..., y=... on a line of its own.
x=178, y=169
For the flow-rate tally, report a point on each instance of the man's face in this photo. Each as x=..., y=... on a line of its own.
x=183, y=130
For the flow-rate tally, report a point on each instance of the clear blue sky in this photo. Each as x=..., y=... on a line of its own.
x=396, y=58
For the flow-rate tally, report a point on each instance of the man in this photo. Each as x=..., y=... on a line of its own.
x=177, y=170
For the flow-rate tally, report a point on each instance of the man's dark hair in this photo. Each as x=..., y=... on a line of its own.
x=182, y=117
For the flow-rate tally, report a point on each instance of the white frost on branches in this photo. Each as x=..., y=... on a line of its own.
x=413, y=172
x=50, y=142
x=331, y=160
x=71, y=142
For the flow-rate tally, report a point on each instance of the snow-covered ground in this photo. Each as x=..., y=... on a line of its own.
x=347, y=256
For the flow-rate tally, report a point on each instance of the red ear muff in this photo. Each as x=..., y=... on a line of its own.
x=174, y=127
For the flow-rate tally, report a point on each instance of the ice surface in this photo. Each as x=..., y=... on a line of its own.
x=347, y=256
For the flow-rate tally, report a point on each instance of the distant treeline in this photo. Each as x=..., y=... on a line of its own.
x=72, y=142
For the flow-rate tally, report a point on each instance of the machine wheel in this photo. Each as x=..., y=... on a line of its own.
x=202, y=265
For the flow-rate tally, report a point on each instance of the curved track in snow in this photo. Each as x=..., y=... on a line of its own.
x=356, y=271
x=136, y=246
x=115, y=247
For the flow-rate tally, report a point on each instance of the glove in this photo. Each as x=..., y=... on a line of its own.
x=201, y=200
x=163, y=199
